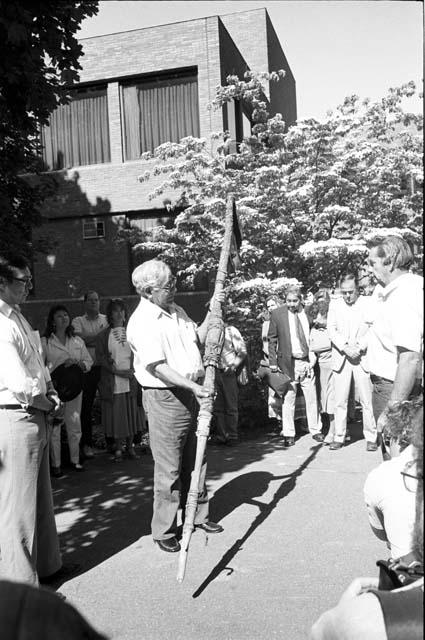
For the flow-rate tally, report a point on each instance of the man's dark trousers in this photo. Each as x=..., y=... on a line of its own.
x=172, y=432
x=90, y=382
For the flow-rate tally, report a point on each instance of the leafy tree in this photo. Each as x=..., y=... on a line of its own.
x=306, y=197
x=39, y=56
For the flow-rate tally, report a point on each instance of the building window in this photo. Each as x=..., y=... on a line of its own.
x=78, y=132
x=237, y=122
x=93, y=228
x=159, y=110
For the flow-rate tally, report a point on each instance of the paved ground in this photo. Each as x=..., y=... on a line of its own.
x=296, y=533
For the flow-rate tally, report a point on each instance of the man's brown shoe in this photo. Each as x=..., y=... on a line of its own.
x=171, y=545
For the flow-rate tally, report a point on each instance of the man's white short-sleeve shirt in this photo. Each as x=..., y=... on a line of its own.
x=23, y=375
x=398, y=323
x=158, y=336
x=391, y=508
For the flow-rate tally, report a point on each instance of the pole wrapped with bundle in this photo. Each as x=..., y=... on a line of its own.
x=213, y=347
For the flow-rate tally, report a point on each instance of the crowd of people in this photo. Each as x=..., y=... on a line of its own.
x=148, y=369
x=344, y=345
x=85, y=356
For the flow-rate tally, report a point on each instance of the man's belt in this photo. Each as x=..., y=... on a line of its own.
x=375, y=378
x=305, y=358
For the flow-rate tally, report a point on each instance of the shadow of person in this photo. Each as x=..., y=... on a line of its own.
x=265, y=509
x=241, y=490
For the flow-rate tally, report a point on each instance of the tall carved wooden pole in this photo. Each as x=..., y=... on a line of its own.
x=213, y=347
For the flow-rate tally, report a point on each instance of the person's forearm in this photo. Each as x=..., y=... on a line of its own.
x=171, y=377
x=405, y=377
x=202, y=330
x=239, y=359
x=42, y=402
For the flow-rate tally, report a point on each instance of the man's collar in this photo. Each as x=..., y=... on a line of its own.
x=393, y=284
x=155, y=310
x=6, y=309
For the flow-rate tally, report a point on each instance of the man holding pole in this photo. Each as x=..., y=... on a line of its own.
x=168, y=365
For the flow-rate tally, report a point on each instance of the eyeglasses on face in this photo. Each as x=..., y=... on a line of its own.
x=411, y=479
x=27, y=281
x=170, y=286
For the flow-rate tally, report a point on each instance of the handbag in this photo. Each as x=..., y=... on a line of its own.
x=276, y=380
x=319, y=340
x=68, y=381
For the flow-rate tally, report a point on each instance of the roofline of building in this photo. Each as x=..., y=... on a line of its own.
x=167, y=24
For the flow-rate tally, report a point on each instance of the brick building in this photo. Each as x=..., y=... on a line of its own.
x=93, y=146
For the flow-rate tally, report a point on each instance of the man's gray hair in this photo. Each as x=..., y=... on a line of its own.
x=152, y=273
x=396, y=251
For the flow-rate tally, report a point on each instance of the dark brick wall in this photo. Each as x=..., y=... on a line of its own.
x=78, y=264
x=36, y=310
x=113, y=188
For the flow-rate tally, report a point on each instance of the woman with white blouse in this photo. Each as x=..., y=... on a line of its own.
x=62, y=347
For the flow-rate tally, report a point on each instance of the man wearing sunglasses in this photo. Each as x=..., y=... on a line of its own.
x=168, y=365
x=28, y=538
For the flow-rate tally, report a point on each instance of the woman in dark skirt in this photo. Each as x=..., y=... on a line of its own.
x=122, y=418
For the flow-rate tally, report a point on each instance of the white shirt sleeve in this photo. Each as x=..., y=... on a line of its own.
x=78, y=325
x=407, y=325
x=374, y=512
x=85, y=356
x=332, y=326
x=14, y=375
x=148, y=345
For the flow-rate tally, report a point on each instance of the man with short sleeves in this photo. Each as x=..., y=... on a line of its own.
x=88, y=328
x=29, y=546
x=168, y=365
x=395, y=341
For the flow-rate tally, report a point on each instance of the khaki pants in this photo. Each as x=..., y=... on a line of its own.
x=308, y=386
x=342, y=384
x=72, y=412
x=29, y=543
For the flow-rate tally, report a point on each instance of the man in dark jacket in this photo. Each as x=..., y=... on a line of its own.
x=289, y=351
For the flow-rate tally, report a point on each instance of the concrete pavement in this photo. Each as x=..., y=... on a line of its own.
x=296, y=533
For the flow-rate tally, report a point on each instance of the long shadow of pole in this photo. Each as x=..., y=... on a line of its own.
x=288, y=484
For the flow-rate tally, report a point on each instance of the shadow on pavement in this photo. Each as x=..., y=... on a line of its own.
x=109, y=507
x=104, y=510
x=257, y=485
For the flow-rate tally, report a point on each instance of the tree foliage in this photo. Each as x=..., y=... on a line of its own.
x=306, y=197
x=39, y=60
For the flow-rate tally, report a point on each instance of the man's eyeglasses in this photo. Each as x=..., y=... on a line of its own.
x=27, y=281
x=411, y=479
x=170, y=286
